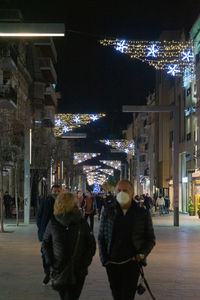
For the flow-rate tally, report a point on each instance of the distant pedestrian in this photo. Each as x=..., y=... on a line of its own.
x=90, y=208
x=126, y=236
x=148, y=202
x=7, y=201
x=161, y=205
x=167, y=204
x=99, y=204
x=79, y=200
x=69, y=246
x=44, y=215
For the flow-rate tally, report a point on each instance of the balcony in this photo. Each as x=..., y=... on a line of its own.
x=8, y=59
x=48, y=70
x=50, y=96
x=47, y=48
x=8, y=97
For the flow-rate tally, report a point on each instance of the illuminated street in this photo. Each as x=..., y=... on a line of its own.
x=172, y=272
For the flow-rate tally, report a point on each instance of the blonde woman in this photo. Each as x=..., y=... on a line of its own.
x=69, y=246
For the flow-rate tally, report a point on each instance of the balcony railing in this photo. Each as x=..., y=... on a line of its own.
x=47, y=47
x=48, y=70
x=8, y=96
x=50, y=96
x=8, y=59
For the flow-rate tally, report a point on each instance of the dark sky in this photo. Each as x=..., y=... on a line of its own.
x=91, y=77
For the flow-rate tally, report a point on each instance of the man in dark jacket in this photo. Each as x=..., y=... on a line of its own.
x=45, y=213
x=126, y=237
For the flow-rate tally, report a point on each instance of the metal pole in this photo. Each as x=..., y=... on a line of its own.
x=27, y=177
x=175, y=160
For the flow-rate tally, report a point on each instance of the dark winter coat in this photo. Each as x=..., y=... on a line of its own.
x=44, y=214
x=142, y=233
x=59, y=242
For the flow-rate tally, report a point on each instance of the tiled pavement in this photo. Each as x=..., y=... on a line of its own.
x=173, y=269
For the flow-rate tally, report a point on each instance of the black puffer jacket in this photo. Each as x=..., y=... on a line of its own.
x=142, y=238
x=59, y=242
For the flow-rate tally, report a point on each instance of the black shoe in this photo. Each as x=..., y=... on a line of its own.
x=46, y=279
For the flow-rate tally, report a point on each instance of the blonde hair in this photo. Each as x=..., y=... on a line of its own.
x=64, y=203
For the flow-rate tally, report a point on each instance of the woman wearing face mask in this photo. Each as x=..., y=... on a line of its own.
x=126, y=234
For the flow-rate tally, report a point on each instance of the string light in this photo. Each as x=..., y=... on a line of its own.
x=159, y=54
x=80, y=157
x=67, y=122
x=126, y=146
x=87, y=169
x=115, y=164
x=109, y=172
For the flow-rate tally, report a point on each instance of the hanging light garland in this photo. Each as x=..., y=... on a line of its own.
x=126, y=146
x=93, y=178
x=87, y=169
x=80, y=157
x=109, y=172
x=115, y=164
x=173, y=56
x=67, y=122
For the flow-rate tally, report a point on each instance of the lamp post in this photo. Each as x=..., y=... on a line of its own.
x=175, y=146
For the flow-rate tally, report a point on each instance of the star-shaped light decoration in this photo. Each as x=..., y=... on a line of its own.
x=121, y=46
x=126, y=146
x=173, y=70
x=153, y=49
x=187, y=56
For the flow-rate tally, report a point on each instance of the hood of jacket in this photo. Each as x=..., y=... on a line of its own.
x=73, y=217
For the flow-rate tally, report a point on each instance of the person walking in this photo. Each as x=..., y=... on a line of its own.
x=126, y=237
x=167, y=204
x=7, y=204
x=69, y=246
x=161, y=205
x=79, y=199
x=45, y=213
x=90, y=208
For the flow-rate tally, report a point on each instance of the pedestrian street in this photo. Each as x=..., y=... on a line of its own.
x=172, y=271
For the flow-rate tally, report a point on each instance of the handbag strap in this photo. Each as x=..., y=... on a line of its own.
x=77, y=242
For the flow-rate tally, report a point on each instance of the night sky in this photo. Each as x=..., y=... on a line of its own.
x=93, y=78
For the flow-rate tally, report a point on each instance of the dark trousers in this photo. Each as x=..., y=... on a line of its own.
x=123, y=280
x=91, y=216
x=45, y=266
x=7, y=211
x=72, y=292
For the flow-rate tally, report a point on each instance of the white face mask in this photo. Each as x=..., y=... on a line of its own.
x=123, y=198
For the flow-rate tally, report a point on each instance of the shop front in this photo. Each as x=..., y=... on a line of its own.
x=196, y=190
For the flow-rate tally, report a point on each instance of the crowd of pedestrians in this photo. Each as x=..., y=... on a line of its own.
x=65, y=229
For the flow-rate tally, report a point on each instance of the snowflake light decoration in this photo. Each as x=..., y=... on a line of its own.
x=72, y=121
x=121, y=46
x=187, y=55
x=152, y=50
x=80, y=157
x=126, y=146
x=65, y=129
x=164, y=53
x=173, y=70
